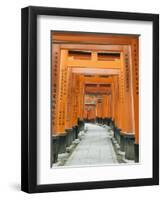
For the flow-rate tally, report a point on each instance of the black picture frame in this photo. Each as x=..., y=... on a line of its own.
x=29, y=98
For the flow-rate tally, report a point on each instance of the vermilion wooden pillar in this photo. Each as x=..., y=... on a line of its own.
x=68, y=111
x=113, y=102
x=127, y=102
x=109, y=106
x=105, y=106
x=81, y=97
x=59, y=97
x=55, y=87
x=135, y=71
x=99, y=108
x=116, y=99
x=62, y=94
x=75, y=84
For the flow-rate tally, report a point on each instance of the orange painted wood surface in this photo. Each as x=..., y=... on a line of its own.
x=98, y=64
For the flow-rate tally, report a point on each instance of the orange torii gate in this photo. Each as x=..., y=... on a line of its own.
x=103, y=87
x=102, y=92
x=68, y=82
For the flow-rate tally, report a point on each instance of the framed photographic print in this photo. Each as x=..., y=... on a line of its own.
x=90, y=99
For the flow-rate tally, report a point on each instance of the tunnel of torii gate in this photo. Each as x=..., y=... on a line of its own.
x=95, y=79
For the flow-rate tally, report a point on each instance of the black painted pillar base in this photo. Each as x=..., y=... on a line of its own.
x=105, y=121
x=112, y=124
x=97, y=120
x=129, y=148
x=136, y=152
x=117, y=134
x=86, y=120
x=122, y=141
x=74, y=132
x=55, y=148
x=69, y=137
x=109, y=121
x=77, y=131
x=80, y=125
x=62, y=143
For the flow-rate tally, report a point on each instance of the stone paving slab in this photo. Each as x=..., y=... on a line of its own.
x=95, y=148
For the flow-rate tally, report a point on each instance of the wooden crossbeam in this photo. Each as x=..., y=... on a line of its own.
x=93, y=64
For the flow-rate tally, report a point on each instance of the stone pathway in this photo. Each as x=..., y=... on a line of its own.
x=95, y=148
